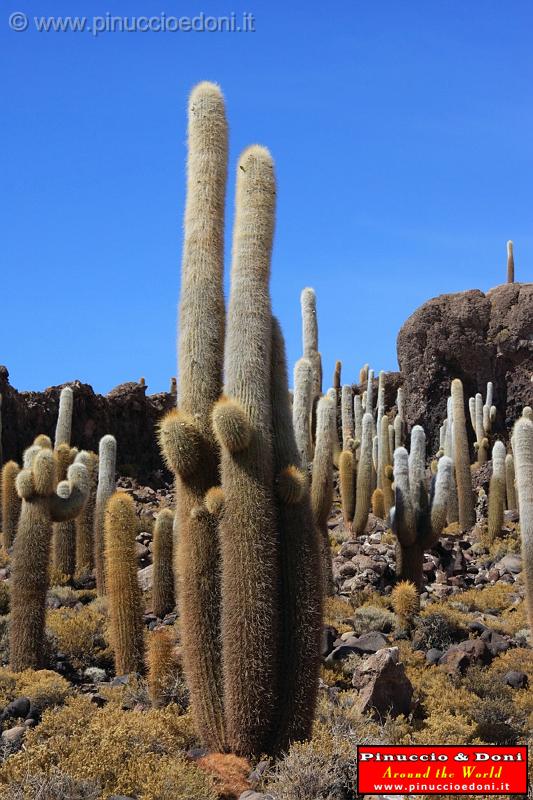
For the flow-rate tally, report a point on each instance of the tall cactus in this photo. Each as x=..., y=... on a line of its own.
x=163, y=599
x=124, y=594
x=10, y=503
x=107, y=457
x=186, y=435
x=462, y=458
x=496, y=492
x=347, y=420
x=64, y=532
x=347, y=483
x=510, y=487
x=510, y=262
x=453, y=503
x=64, y=417
x=301, y=570
x=248, y=535
x=43, y=502
x=85, y=519
x=364, y=477
x=384, y=460
x=302, y=410
x=322, y=480
x=523, y=459
x=310, y=348
x=417, y=524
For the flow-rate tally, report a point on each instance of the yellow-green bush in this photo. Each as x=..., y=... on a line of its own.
x=120, y=749
x=44, y=687
x=81, y=635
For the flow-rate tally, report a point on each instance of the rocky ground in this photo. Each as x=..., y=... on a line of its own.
x=460, y=671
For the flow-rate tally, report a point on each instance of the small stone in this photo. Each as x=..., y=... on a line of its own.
x=13, y=736
x=515, y=679
x=17, y=708
x=145, y=578
x=433, y=655
x=512, y=562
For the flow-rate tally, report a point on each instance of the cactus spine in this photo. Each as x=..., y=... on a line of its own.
x=250, y=559
x=462, y=459
x=510, y=483
x=322, y=480
x=496, y=491
x=10, y=503
x=523, y=459
x=163, y=584
x=378, y=506
x=510, y=262
x=384, y=482
x=64, y=417
x=302, y=409
x=124, y=594
x=85, y=520
x=42, y=504
x=186, y=435
x=405, y=602
x=369, y=406
x=364, y=477
x=301, y=570
x=107, y=457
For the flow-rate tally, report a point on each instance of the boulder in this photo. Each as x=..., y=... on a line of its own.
x=473, y=336
x=383, y=685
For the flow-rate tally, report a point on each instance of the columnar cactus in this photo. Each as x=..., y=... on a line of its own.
x=162, y=665
x=302, y=410
x=453, y=503
x=107, y=457
x=242, y=422
x=85, y=520
x=348, y=430
x=64, y=534
x=384, y=460
x=510, y=262
x=358, y=418
x=310, y=344
x=381, y=398
x=496, y=492
x=378, y=506
x=369, y=405
x=405, y=602
x=43, y=502
x=523, y=460
x=347, y=482
x=462, y=458
x=123, y=591
x=64, y=417
x=417, y=525
x=510, y=487
x=417, y=471
x=337, y=376
x=163, y=600
x=322, y=480
x=186, y=434
x=300, y=560
x=364, y=477
x=10, y=503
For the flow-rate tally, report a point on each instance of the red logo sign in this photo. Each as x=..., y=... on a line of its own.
x=444, y=769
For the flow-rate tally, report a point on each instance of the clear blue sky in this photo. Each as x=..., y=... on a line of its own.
x=402, y=134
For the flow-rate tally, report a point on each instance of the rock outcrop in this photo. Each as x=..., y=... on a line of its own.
x=126, y=412
x=473, y=336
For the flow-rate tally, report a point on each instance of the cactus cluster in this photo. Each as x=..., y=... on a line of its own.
x=248, y=556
